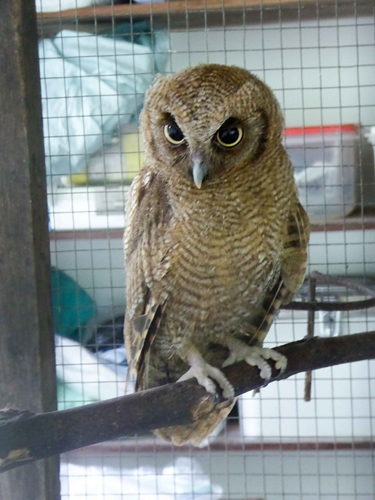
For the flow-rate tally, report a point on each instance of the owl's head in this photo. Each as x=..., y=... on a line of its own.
x=206, y=123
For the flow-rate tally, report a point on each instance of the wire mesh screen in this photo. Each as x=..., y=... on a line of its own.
x=97, y=59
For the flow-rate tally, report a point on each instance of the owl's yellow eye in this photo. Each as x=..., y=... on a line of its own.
x=173, y=134
x=229, y=136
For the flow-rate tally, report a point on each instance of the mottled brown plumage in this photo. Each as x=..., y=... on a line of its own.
x=215, y=238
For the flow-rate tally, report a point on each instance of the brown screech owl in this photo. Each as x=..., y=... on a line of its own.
x=215, y=239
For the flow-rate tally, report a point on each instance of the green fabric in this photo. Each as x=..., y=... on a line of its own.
x=72, y=306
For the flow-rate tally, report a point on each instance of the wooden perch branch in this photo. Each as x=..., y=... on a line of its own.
x=25, y=437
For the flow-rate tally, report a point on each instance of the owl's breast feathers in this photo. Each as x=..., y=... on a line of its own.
x=202, y=265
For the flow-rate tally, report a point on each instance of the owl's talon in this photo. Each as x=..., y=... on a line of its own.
x=206, y=375
x=281, y=365
x=202, y=379
x=231, y=359
x=256, y=356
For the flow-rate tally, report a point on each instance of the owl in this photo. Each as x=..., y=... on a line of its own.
x=215, y=239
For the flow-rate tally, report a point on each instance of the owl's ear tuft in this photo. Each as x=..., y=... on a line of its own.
x=256, y=95
x=156, y=84
x=159, y=78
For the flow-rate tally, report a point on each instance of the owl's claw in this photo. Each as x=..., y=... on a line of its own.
x=256, y=356
x=205, y=375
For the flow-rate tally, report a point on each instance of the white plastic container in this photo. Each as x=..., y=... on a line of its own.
x=324, y=160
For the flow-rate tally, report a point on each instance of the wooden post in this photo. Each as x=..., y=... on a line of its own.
x=27, y=363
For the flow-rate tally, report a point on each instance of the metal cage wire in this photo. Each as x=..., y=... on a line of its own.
x=96, y=64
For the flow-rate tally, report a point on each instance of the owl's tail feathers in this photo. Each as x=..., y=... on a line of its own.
x=208, y=414
x=206, y=418
x=144, y=328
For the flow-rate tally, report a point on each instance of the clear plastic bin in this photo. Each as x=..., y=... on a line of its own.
x=324, y=160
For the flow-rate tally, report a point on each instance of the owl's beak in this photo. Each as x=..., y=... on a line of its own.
x=199, y=171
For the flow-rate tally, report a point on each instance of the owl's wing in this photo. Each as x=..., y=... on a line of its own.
x=292, y=273
x=294, y=256
x=146, y=247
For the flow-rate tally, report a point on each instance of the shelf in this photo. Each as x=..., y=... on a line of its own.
x=190, y=13
x=145, y=10
x=354, y=222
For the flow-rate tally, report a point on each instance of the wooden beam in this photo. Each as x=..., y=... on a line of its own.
x=145, y=10
x=27, y=364
x=198, y=14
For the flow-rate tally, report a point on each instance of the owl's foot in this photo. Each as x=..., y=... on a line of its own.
x=255, y=356
x=206, y=374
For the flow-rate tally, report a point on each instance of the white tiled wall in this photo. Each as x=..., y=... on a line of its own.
x=242, y=475
x=322, y=71
x=342, y=403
